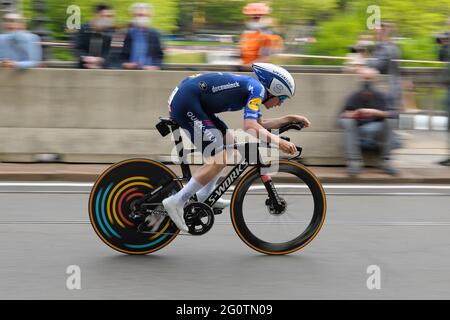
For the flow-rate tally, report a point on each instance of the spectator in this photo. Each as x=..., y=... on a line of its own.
x=93, y=41
x=357, y=58
x=366, y=124
x=444, y=55
x=142, y=46
x=18, y=48
x=384, y=55
x=258, y=42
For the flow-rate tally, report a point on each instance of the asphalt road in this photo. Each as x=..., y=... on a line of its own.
x=405, y=231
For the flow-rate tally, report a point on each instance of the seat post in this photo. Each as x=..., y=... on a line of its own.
x=185, y=169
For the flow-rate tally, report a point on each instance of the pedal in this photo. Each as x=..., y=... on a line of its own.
x=217, y=211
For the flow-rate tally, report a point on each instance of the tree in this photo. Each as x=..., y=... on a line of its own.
x=416, y=23
x=211, y=14
x=165, y=13
x=288, y=12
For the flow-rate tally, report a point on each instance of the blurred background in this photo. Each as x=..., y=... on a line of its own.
x=403, y=44
x=335, y=24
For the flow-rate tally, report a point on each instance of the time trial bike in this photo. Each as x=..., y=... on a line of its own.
x=277, y=207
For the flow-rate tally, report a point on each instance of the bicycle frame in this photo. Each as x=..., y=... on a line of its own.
x=233, y=175
x=167, y=126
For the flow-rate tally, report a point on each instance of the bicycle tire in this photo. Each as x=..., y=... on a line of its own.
x=317, y=220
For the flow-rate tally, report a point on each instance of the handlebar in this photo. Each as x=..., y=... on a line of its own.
x=291, y=126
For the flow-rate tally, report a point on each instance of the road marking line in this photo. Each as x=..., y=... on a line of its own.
x=334, y=186
x=340, y=223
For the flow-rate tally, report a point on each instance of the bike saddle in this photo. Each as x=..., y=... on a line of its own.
x=167, y=120
x=166, y=125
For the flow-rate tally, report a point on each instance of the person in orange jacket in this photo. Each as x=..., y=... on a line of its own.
x=257, y=43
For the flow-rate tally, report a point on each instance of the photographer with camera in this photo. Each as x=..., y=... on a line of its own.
x=358, y=54
x=443, y=41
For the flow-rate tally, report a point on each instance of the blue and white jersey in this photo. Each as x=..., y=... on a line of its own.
x=221, y=92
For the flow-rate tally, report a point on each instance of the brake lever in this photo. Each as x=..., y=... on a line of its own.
x=296, y=157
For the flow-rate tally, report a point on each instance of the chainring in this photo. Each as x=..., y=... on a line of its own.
x=199, y=218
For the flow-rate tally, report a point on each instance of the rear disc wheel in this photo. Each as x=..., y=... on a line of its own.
x=111, y=199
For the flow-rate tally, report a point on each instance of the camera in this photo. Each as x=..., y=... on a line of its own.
x=359, y=48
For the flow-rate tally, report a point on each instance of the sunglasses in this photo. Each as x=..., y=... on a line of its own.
x=282, y=98
x=269, y=96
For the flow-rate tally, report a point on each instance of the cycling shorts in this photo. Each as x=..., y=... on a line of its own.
x=206, y=130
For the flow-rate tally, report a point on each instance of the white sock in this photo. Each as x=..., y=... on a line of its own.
x=187, y=192
x=204, y=192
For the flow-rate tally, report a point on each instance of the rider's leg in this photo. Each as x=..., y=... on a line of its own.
x=175, y=204
x=205, y=177
x=205, y=174
x=188, y=112
x=204, y=192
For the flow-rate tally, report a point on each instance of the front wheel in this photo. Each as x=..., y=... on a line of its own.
x=278, y=210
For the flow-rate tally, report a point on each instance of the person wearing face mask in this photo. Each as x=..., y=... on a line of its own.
x=142, y=47
x=18, y=48
x=368, y=125
x=93, y=41
x=257, y=43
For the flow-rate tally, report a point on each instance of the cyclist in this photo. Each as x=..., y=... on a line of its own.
x=194, y=105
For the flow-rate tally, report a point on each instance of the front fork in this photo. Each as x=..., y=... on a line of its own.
x=275, y=203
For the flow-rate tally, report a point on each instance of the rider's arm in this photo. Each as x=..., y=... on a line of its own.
x=254, y=128
x=279, y=122
x=275, y=123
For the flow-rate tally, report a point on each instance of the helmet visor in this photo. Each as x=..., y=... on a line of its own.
x=283, y=98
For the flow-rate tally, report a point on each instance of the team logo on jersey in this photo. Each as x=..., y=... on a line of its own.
x=254, y=104
x=203, y=85
x=230, y=85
